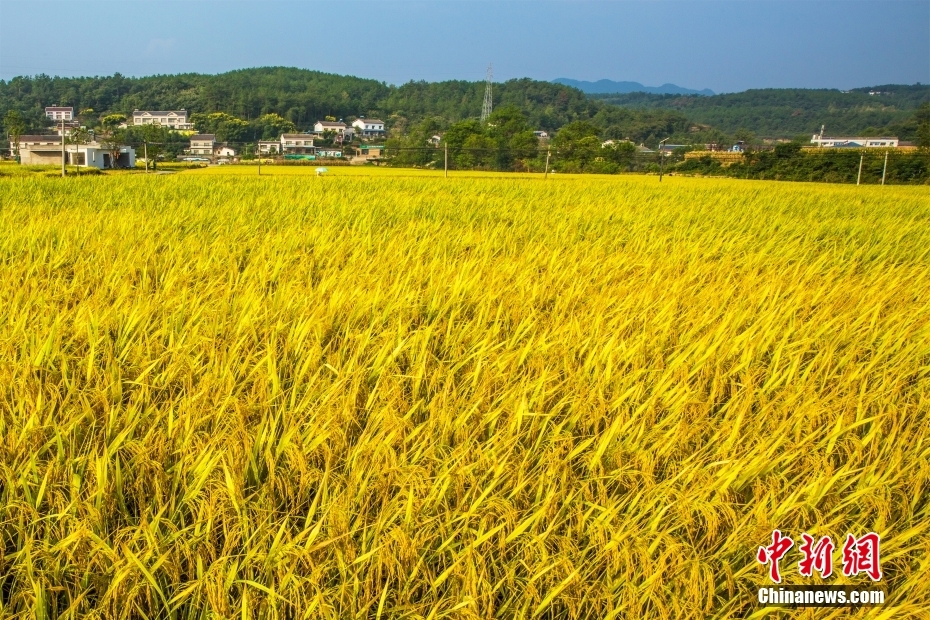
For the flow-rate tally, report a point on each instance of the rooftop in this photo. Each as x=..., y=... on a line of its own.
x=298, y=136
x=204, y=136
x=53, y=108
x=40, y=138
x=157, y=112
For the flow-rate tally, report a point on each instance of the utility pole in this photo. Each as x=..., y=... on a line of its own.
x=145, y=149
x=661, y=159
x=885, y=168
x=548, y=153
x=258, y=149
x=446, y=158
x=859, y=177
x=62, y=144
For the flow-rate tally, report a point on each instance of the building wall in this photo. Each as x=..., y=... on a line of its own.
x=93, y=157
x=201, y=148
x=57, y=116
x=40, y=158
x=179, y=121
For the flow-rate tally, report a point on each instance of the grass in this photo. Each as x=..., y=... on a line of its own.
x=410, y=397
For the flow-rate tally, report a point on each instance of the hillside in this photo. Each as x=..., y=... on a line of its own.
x=304, y=96
x=788, y=112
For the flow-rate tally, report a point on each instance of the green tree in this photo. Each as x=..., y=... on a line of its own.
x=111, y=121
x=745, y=136
x=271, y=126
x=150, y=140
x=623, y=154
x=112, y=138
x=922, y=118
x=576, y=145
x=226, y=127
x=15, y=126
x=511, y=132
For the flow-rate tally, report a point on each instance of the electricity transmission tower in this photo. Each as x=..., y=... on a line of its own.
x=488, y=104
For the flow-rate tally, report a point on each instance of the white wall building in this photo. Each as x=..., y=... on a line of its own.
x=269, y=147
x=297, y=143
x=369, y=127
x=59, y=113
x=203, y=144
x=342, y=131
x=172, y=119
x=46, y=150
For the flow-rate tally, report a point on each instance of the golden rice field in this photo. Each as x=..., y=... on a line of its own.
x=387, y=396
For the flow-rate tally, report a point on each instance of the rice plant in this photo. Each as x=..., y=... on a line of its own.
x=375, y=397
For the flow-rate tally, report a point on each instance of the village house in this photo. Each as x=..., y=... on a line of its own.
x=342, y=131
x=203, y=144
x=172, y=119
x=297, y=144
x=58, y=113
x=367, y=153
x=288, y=144
x=224, y=150
x=46, y=149
x=269, y=147
x=369, y=127
x=434, y=140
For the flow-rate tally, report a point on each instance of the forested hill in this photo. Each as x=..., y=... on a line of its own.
x=304, y=96
x=789, y=112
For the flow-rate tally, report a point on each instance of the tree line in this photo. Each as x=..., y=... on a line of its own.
x=794, y=112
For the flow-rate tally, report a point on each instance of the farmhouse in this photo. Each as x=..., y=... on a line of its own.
x=225, y=150
x=172, y=119
x=57, y=113
x=39, y=150
x=369, y=127
x=297, y=144
x=203, y=144
x=366, y=153
x=342, y=131
x=269, y=147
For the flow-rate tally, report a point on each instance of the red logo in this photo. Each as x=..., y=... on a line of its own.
x=860, y=555
x=773, y=553
x=817, y=557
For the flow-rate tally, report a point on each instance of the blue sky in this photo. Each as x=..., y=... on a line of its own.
x=725, y=45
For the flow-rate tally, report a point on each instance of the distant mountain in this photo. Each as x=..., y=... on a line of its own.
x=603, y=87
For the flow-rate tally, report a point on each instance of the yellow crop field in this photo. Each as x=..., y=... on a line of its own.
x=384, y=394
